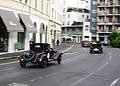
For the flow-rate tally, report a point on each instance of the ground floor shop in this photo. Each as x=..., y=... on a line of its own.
x=17, y=31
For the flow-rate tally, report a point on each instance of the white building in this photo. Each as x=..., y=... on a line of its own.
x=55, y=21
x=74, y=14
x=24, y=20
x=86, y=32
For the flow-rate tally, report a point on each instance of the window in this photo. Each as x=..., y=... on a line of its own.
x=26, y=1
x=63, y=23
x=68, y=15
x=86, y=27
x=52, y=12
x=35, y=3
x=20, y=0
x=68, y=23
x=82, y=16
x=86, y=36
x=110, y=29
x=42, y=6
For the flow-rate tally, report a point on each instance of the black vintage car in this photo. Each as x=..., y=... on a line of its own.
x=40, y=53
x=96, y=47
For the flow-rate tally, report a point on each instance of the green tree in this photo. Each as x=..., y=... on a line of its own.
x=115, y=39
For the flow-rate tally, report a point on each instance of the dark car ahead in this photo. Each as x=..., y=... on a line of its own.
x=40, y=53
x=85, y=43
x=96, y=48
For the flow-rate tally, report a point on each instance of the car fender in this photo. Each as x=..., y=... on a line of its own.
x=43, y=56
x=40, y=56
x=58, y=55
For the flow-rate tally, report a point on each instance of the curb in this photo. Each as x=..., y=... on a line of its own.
x=12, y=55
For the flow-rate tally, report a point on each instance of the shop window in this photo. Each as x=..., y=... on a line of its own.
x=21, y=40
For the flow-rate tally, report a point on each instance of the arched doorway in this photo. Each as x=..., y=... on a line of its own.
x=34, y=34
x=3, y=37
x=42, y=33
x=46, y=33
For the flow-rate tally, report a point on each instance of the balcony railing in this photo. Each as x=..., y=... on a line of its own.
x=111, y=4
x=104, y=31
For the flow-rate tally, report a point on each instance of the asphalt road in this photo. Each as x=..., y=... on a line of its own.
x=78, y=68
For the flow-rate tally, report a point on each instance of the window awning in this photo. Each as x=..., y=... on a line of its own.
x=29, y=26
x=11, y=22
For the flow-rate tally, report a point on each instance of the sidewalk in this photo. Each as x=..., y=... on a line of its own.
x=12, y=55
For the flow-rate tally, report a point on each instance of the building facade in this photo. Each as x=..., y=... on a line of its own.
x=108, y=18
x=93, y=23
x=74, y=16
x=23, y=21
x=55, y=21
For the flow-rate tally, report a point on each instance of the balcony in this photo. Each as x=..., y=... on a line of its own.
x=113, y=14
x=111, y=4
x=103, y=4
x=105, y=31
x=117, y=22
x=100, y=22
x=103, y=13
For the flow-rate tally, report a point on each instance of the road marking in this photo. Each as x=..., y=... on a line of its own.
x=40, y=77
x=49, y=75
x=67, y=49
x=115, y=81
x=9, y=63
x=32, y=80
x=8, y=69
x=70, y=53
x=89, y=75
x=17, y=84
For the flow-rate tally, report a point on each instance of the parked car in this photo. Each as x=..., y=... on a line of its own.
x=85, y=43
x=105, y=43
x=40, y=53
x=96, y=48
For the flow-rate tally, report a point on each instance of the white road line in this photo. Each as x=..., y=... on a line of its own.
x=68, y=49
x=32, y=80
x=8, y=69
x=70, y=53
x=87, y=76
x=49, y=75
x=114, y=82
x=17, y=84
x=8, y=63
x=46, y=76
x=40, y=77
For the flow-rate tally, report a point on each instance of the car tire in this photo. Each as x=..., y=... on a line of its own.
x=101, y=51
x=44, y=63
x=91, y=52
x=23, y=64
x=59, y=61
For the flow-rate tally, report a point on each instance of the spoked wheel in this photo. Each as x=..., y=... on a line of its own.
x=23, y=64
x=44, y=63
x=59, y=61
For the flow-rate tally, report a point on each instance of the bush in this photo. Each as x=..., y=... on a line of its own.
x=115, y=39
